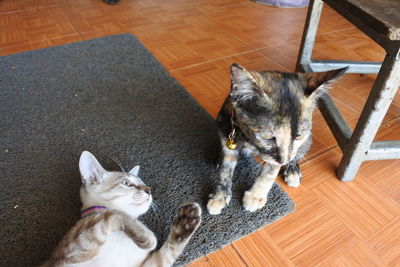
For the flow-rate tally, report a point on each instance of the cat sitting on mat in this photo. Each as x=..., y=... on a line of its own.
x=109, y=232
x=267, y=114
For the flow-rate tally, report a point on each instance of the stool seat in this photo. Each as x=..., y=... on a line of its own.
x=381, y=15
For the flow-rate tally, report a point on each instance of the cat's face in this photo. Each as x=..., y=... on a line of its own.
x=274, y=109
x=115, y=190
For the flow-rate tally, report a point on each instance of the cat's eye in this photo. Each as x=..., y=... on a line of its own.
x=266, y=137
x=126, y=183
x=299, y=137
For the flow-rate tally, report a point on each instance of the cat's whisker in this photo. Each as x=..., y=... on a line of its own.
x=155, y=207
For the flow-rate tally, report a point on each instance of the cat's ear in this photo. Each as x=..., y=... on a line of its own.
x=243, y=83
x=91, y=170
x=135, y=171
x=319, y=81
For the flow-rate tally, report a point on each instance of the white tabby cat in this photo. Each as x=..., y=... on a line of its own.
x=109, y=233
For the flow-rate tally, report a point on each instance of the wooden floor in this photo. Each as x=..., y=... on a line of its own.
x=335, y=224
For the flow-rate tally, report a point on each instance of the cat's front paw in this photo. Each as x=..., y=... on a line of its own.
x=293, y=179
x=217, y=202
x=252, y=202
x=187, y=221
x=292, y=174
x=148, y=243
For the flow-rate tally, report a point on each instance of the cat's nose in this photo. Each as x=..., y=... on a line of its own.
x=280, y=161
x=283, y=162
x=147, y=189
x=144, y=188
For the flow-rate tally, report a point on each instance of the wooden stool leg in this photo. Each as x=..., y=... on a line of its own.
x=378, y=102
x=309, y=33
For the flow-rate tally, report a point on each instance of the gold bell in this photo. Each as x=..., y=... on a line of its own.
x=231, y=144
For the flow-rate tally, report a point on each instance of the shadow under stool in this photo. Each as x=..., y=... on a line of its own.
x=380, y=20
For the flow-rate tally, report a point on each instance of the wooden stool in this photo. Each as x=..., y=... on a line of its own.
x=380, y=20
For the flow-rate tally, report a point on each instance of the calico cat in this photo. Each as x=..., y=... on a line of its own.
x=267, y=114
x=109, y=232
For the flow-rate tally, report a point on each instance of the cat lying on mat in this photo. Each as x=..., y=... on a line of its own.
x=267, y=113
x=109, y=233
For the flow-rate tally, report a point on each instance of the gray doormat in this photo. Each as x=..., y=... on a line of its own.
x=111, y=97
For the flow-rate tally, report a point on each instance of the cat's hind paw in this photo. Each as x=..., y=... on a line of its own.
x=217, y=202
x=187, y=221
x=252, y=202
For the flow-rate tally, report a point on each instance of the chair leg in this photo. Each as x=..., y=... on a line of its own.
x=378, y=102
x=309, y=34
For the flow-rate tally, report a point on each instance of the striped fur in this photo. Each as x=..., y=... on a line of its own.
x=273, y=117
x=109, y=232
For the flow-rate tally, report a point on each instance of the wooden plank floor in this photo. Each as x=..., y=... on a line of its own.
x=335, y=224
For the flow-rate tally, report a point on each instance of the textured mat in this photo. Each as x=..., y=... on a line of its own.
x=111, y=97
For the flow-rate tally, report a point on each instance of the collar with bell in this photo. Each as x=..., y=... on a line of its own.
x=230, y=143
